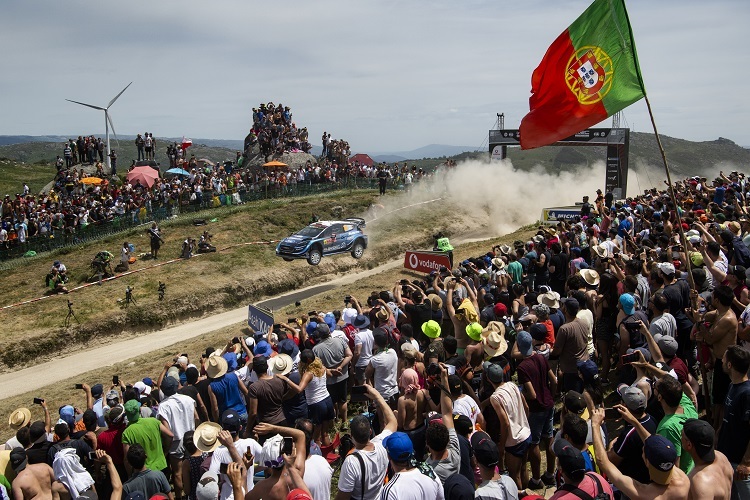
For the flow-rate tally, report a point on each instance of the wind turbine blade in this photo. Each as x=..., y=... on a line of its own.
x=118, y=95
x=112, y=126
x=84, y=104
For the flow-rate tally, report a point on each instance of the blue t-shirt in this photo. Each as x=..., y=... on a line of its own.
x=719, y=195
x=228, y=395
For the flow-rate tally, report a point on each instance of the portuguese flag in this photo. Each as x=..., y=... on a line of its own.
x=589, y=73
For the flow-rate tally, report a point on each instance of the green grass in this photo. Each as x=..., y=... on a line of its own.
x=14, y=174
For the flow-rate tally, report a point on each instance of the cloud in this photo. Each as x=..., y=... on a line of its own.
x=379, y=74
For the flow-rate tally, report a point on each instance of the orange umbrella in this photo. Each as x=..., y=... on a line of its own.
x=145, y=175
x=91, y=180
x=275, y=164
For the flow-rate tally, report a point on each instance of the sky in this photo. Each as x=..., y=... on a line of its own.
x=384, y=75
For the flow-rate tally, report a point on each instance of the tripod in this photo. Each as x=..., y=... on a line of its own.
x=129, y=296
x=71, y=314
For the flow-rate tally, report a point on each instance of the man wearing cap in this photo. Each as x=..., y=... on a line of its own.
x=712, y=475
x=570, y=346
x=626, y=449
x=409, y=481
x=368, y=462
x=95, y=401
x=539, y=384
x=179, y=414
x=335, y=354
x=419, y=311
x=577, y=478
x=662, y=322
x=363, y=342
x=677, y=293
x=33, y=481
x=734, y=434
x=660, y=457
x=147, y=432
x=230, y=422
x=494, y=485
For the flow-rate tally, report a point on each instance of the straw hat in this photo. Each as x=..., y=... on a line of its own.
x=600, y=250
x=19, y=418
x=550, y=299
x=281, y=364
x=206, y=436
x=590, y=276
x=498, y=263
x=504, y=249
x=436, y=301
x=494, y=343
x=216, y=366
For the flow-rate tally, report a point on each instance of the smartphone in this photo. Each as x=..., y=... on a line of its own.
x=359, y=393
x=277, y=326
x=92, y=455
x=286, y=448
x=630, y=358
x=291, y=321
x=236, y=340
x=79, y=386
x=38, y=401
x=223, y=468
x=611, y=414
x=115, y=380
x=451, y=369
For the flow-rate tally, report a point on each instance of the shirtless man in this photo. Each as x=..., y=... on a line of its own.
x=719, y=330
x=712, y=476
x=667, y=480
x=284, y=477
x=33, y=481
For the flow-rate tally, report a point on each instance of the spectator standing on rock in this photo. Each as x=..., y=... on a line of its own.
x=139, y=144
x=113, y=160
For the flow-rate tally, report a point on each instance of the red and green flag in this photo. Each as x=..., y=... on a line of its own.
x=589, y=73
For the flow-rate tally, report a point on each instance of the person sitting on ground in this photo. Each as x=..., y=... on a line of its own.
x=204, y=244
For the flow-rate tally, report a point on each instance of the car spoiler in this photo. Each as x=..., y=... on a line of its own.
x=359, y=221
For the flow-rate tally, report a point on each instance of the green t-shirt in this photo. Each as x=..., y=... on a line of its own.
x=671, y=428
x=515, y=269
x=146, y=433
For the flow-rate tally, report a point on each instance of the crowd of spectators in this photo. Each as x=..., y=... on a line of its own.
x=449, y=386
x=275, y=132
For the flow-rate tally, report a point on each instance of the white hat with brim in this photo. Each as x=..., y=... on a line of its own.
x=494, y=344
x=600, y=250
x=498, y=263
x=216, y=366
x=550, y=299
x=206, y=437
x=590, y=276
x=281, y=364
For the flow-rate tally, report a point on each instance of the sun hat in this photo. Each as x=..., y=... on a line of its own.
x=590, y=276
x=281, y=364
x=399, y=447
x=382, y=314
x=498, y=263
x=661, y=455
x=504, y=249
x=216, y=367
x=361, y=322
x=207, y=487
x=206, y=436
x=600, y=250
x=19, y=418
x=409, y=351
x=524, y=343
x=494, y=343
x=287, y=346
x=550, y=299
x=474, y=331
x=330, y=320
x=431, y=328
x=262, y=348
x=435, y=301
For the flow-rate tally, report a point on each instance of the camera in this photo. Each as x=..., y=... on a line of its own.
x=433, y=370
x=404, y=282
x=632, y=327
x=347, y=299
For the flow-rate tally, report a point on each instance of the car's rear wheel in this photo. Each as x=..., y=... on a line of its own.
x=287, y=259
x=313, y=258
x=358, y=250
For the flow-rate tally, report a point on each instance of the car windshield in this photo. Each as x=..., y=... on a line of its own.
x=310, y=231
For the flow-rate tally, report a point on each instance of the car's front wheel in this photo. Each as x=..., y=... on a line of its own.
x=313, y=258
x=358, y=250
x=287, y=259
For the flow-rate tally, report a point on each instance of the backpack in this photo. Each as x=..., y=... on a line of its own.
x=600, y=493
x=349, y=331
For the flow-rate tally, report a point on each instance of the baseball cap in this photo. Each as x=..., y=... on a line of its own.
x=97, y=391
x=575, y=403
x=646, y=352
x=207, y=487
x=570, y=458
x=454, y=383
x=330, y=320
x=667, y=345
x=112, y=395
x=230, y=421
x=496, y=371
x=399, y=447
x=18, y=459
x=298, y=494
x=463, y=424
x=701, y=436
x=311, y=326
x=287, y=346
x=634, y=399
x=588, y=370
x=142, y=388
x=322, y=330
x=538, y=332
x=627, y=302
x=661, y=455
x=485, y=449
x=169, y=386
x=666, y=267
x=524, y=342
x=133, y=410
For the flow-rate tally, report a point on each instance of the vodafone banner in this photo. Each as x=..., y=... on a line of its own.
x=426, y=262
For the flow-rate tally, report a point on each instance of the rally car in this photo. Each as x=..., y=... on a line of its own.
x=325, y=238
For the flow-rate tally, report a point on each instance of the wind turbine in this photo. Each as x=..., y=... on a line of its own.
x=107, y=120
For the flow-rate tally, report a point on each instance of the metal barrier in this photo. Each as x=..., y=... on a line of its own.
x=61, y=239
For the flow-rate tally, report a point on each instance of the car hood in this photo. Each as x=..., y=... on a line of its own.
x=295, y=239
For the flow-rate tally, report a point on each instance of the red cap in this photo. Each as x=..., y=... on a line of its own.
x=500, y=309
x=298, y=494
x=685, y=226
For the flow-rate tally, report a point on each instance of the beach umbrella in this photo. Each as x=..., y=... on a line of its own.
x=178, y=171
x=274, y=164
x=91, y=180
x=145, y=175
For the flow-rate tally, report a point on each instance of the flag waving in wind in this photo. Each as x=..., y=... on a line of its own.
x=589, y=73
x=186, y=143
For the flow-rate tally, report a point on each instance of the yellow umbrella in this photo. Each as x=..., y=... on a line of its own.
x=275, y=164
x=91, y=180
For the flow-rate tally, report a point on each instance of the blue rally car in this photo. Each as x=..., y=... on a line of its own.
x=325, y=238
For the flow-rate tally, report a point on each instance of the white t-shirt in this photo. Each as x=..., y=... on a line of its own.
x=385, y=364
x=365, y=339
x=498, y=489
x=178, y=411
x=466, y=406
x=221, y=456
x=376, y=465
x=318, y=474
x=587, y=317
x=413, y=485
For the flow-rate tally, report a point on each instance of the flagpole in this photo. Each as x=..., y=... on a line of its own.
x=671, y=192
